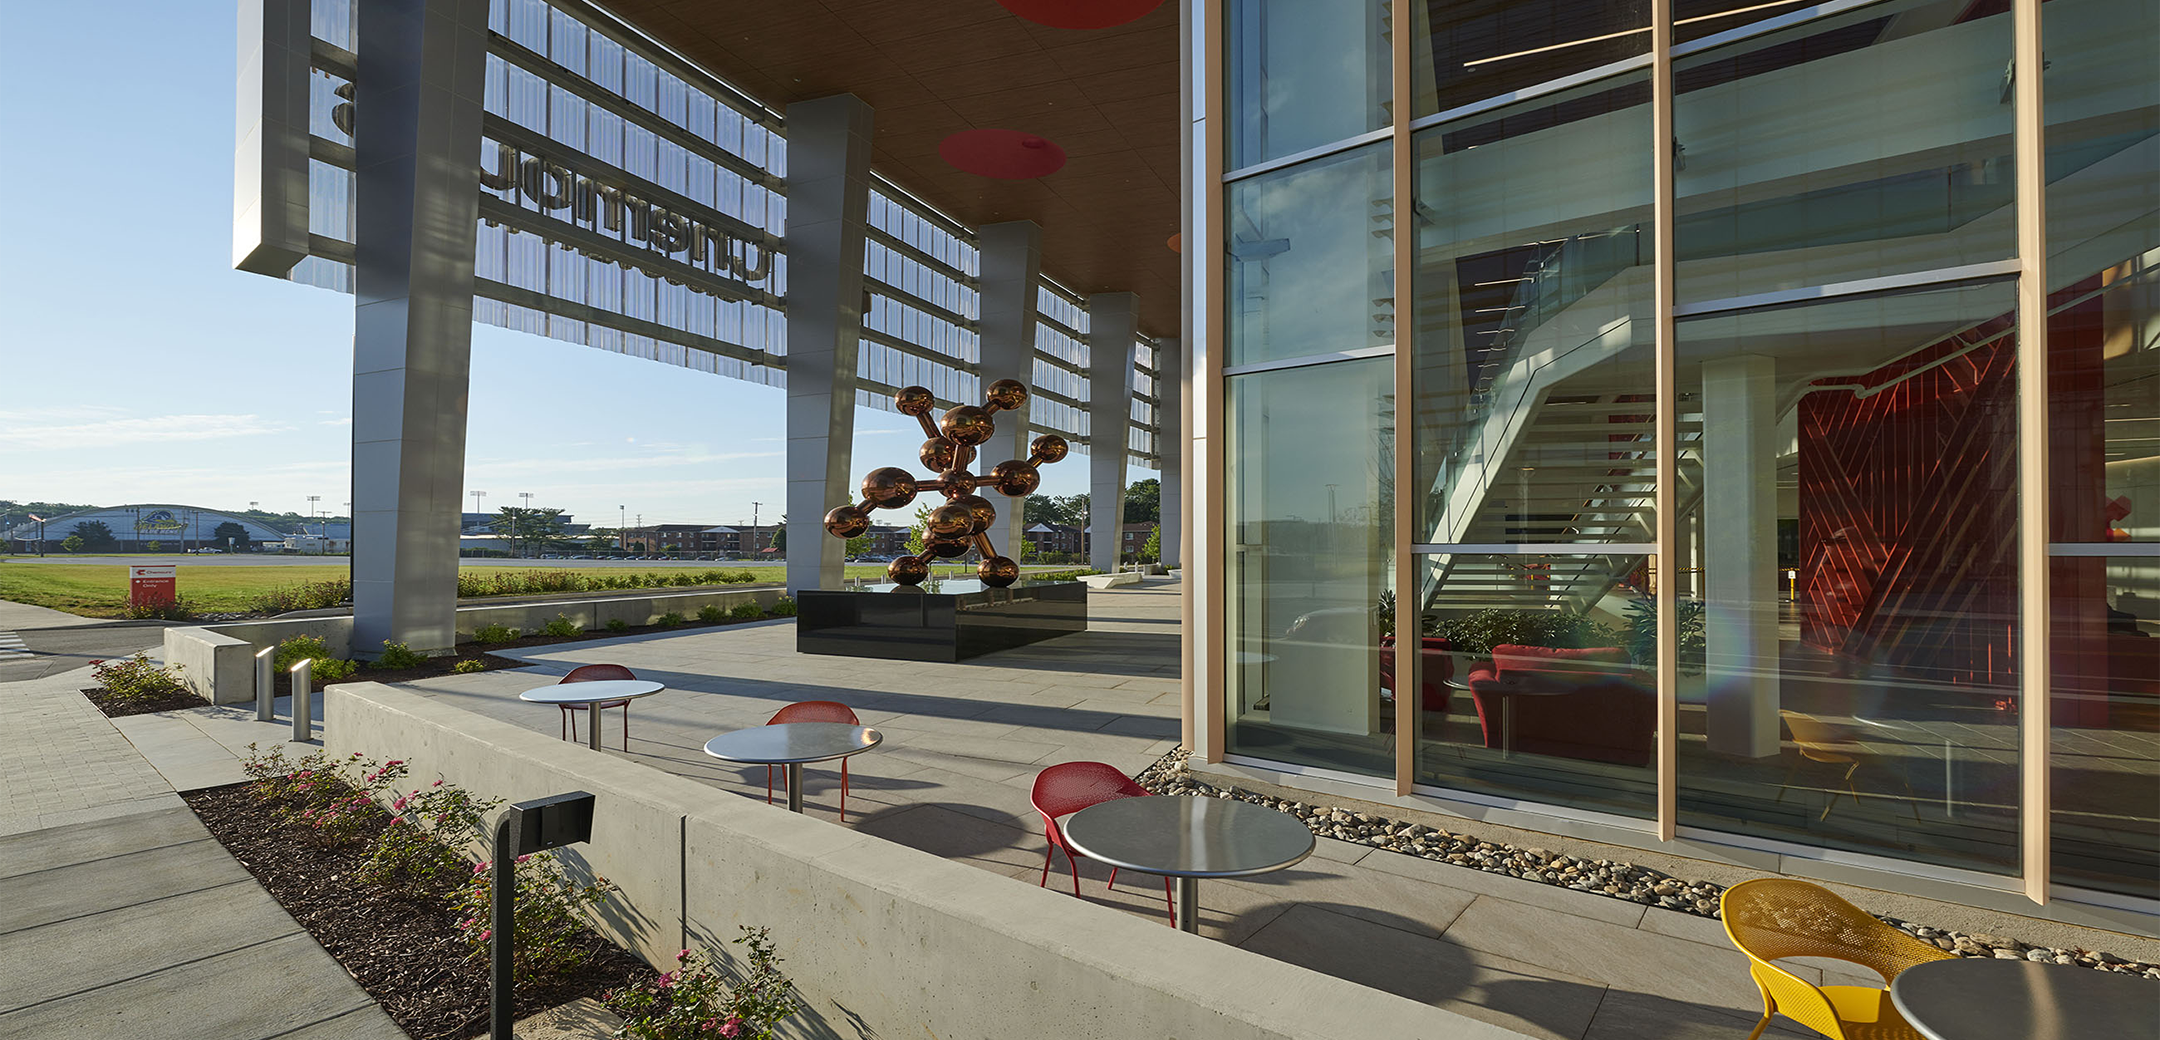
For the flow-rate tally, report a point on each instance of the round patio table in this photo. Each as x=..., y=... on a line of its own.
x=588, y=695
x=1973, y=999
x=791, y=744
x=1188, y=839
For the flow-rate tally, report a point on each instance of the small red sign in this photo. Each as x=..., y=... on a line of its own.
x=153, y=585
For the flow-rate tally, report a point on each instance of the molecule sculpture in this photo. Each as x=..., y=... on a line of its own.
x=963, y=522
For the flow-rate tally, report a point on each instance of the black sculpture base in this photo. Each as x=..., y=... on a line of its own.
x=939, y=621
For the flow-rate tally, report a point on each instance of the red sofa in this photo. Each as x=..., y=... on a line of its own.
x=1584, y=704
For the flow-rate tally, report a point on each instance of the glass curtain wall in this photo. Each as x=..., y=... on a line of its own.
x=1843, y=575
x=2103, y=356
x=1848, y=584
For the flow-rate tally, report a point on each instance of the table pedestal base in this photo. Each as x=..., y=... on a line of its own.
x=1187, y=908
x=794, y=787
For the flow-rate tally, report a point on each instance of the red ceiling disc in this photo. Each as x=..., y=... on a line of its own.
x=1080, y=14
x=1004, y=154
x=1177, y=242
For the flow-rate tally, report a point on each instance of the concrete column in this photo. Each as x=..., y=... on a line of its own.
x=418, y=96
x=1011, y=255
x=828, y=201
x=1171, y=397
x=1113, y=319
x=1739, y=542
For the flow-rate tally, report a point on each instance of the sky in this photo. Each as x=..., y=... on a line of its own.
x=137, y=366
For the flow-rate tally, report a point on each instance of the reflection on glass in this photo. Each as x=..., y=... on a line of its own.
x=2103, y=138
x=1310, y=258
x=1534, y=374
x=2104, y=755
x=1870, y=142
x=1310, y=499
x=1302, y=73
x=1847, y=577
x=1470, y=50
x=1539, y=679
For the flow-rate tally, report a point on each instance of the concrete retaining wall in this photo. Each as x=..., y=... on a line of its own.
x=883, y=940
x=226, y=683
x=218, y=667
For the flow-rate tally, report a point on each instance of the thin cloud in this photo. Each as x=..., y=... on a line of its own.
x=22, y=431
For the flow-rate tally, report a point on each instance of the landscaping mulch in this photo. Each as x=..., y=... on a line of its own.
x=401, y=944
x=119, y=707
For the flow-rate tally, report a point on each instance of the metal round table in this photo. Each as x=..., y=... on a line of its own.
x=1974, y=999
x=1188, y=839
x=588, y=694
x=791, y=744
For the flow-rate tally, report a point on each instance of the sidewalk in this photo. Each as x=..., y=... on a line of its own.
x=121, y=917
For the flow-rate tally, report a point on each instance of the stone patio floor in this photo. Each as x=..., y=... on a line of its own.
x=963, y=743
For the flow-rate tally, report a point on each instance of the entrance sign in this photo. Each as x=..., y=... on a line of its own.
x=152, y=585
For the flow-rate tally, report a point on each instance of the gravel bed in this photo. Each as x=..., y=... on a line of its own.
x=1609, y=878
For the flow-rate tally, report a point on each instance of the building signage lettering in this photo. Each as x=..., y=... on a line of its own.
x=161, y=520
x=555, y=186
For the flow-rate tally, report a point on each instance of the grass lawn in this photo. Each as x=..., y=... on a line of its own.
x=100, y=590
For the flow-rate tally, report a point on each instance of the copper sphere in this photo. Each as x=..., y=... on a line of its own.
x=998, y=571
x=981, y=514
x=907, y=570
x=889, y=487
x=948, y=548
x=846, y=521
x=1049, y=447
x=967, y=425
x=959, y=482
x=951, y=520
x=1013, y=478
x=938, y=454
x=914, y=400
x=1006, y=394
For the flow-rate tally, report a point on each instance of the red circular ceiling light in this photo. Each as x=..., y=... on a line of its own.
x=1177, y=242
x=1004, y=154
x=1080, y=14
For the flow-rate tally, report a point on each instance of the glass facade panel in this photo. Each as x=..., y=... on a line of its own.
x=1533, y=333
x=2103, y=209
x=1310, y=258
x=1847, y=590
x=1466, y=51
x=1535, y=686
x=1302, y=73
x=1310, y=498
x=1871, y=142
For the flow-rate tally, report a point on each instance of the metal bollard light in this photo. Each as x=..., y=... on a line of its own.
x=303, y=699
x=522, y=829
x=265, y=685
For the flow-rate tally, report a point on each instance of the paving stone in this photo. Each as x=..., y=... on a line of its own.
x=85, y=842
x=1490, y=988
x=1627, y=1015
x=29, y=900
x=262, y=991
x=84, y=953
x=1612, y=954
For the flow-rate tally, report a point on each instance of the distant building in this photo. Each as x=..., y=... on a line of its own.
x=136, y=527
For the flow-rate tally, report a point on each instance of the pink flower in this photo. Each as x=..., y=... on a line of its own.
x=437, y=783
x=666, y=981
x=733, y=1027
x=398, y=804
x=485, y=933
x=683, y=956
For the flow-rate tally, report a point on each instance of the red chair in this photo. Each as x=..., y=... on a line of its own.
x=1069, y=787
x=1438, y=657
x=814, y=711
x=596, y=673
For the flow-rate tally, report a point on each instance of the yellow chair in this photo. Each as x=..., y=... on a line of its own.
x=1822, y=742
x=1773, y=918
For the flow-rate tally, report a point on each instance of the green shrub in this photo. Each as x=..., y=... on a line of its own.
x=494, y=634
x=135, y=680
x=550, y=909
x=294, y=649
x=469, y=666
x=398, y=656
x=617, y=625
x=746, y=612
x=670, y=620
x=698, y=999
x=522, y=583
x=782, y=607
x=1479, y=632
x=312, y=595
x=174, y=609
x=711, y=612
x=327, y=670
x=1689, y=619
x=562, y=626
